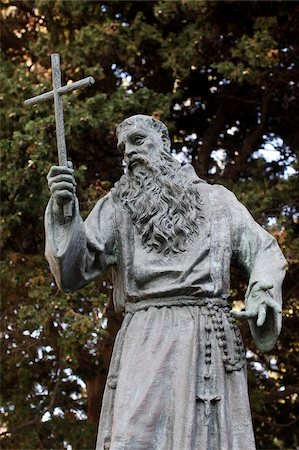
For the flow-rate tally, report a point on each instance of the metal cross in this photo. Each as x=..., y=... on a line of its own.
x=207, y=400
x=57, y=93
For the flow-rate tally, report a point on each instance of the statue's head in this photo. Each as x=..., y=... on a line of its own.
x=162, y=202
x=142, y=137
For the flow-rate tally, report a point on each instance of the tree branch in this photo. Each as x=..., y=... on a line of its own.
x=209, y=141
x=273, y=422
x=38, y=416
x=252, y=139
x=56, y=388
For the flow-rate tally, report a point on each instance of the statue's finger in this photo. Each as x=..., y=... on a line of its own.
x=59, y=178
x=266, y=286
x=59, y=170
x=261, y=315
x=70, y=164
x=243, y=314
x=273, y=304
x=62, y=187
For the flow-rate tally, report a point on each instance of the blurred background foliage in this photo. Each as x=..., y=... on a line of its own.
x=224, y=78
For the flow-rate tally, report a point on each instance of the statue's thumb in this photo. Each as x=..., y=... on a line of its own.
x=70, y=164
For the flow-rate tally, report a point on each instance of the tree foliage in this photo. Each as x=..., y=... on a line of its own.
x=224, y=77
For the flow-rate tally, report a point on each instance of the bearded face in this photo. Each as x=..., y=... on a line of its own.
x=164, y=206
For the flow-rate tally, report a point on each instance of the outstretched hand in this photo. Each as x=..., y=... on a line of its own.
x=62, y=184
x=257, y=303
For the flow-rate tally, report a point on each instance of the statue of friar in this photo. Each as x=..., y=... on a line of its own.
x=177, y=377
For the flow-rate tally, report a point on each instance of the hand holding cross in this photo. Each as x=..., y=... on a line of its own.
x=57, y=93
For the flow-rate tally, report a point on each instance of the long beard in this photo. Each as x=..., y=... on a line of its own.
x=164, y=206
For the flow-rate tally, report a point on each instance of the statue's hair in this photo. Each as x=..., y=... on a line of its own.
x=164, y=205
x=146, y=122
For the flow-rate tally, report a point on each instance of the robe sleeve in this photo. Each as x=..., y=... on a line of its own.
x=79, y=251
x=255, y=250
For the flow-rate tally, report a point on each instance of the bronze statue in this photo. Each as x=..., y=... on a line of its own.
x=177, y=378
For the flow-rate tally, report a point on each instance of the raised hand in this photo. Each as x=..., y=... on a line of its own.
x=62, y=184
x=257, y=303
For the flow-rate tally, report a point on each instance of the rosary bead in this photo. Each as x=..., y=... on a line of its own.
x=229, y=368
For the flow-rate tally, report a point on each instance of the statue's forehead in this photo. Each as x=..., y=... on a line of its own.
x=134, y=128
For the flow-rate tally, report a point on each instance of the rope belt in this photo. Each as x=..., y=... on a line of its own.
x=216, y=308
x=143, y=305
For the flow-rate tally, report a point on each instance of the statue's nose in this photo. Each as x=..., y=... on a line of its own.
x=130, y=150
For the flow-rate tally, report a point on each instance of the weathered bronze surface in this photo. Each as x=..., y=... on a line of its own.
x=177, y=378
x=56, y=95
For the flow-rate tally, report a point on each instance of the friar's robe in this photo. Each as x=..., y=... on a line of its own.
x=177, y=378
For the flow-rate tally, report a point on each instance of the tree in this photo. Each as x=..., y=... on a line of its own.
x=223, y=77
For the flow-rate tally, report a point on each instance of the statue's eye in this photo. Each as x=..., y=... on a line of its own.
x=137, y=139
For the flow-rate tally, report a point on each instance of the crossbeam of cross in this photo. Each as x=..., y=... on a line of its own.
x=56, y=94
x=207, y=399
